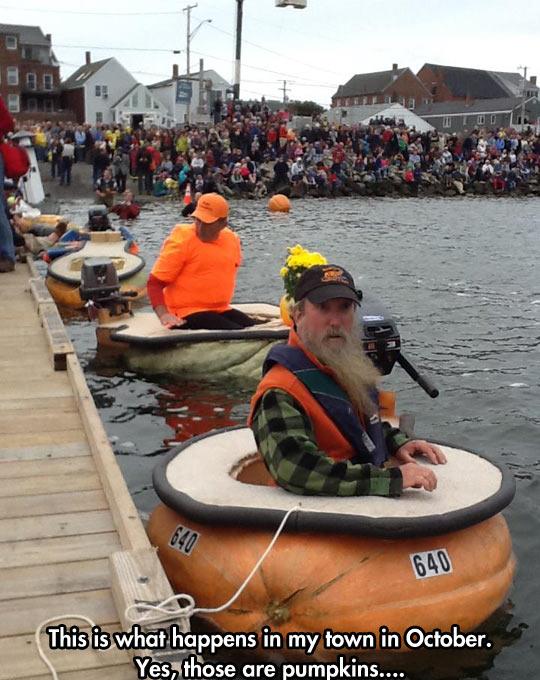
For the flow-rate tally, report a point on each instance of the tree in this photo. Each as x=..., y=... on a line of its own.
x=305, y=108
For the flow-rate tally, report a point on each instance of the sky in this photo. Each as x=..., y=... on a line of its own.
x=314, y=49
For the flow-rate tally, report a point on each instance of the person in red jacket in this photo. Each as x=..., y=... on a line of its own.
x=7, y=245
x=127, y=209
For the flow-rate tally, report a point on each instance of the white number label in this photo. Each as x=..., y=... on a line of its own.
x=184, y=540
x=431, y=563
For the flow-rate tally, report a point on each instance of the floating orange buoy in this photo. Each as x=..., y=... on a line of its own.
x=279, y=203
x=187, y=195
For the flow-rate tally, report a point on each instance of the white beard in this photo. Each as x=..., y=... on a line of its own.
x=353, y=369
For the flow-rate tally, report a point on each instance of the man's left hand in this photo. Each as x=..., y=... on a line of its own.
x=419, y=447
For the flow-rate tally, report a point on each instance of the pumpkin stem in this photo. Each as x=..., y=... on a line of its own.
x=278, y=613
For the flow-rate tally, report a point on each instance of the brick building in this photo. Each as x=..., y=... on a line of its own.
x=400, y=85
x=454, y=83
x=29, y=73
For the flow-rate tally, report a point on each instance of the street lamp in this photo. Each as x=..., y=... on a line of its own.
x=299, y=4
x=190, y=36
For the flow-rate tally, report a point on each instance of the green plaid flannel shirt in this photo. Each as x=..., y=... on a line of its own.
x=286, y=440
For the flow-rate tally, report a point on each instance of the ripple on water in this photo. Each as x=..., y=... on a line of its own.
x=461, y=277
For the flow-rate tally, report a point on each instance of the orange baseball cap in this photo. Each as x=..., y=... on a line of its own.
x=211, y=207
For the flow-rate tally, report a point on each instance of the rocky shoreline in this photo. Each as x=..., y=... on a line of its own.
x=391, y=187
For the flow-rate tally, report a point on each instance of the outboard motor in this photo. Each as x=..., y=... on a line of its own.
x=380, y=335
x=98, y=219
x=382, y=343
x=100, y=287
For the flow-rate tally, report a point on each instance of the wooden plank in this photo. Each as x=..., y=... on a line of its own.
x=30, y=403
x=21, y=660
x=39, y=370
x=53, y=466
x=51, y=550
x=39, y=292
x=38, y=421
x=125, y=515
x=31, y=358
x=138, y=577
x=22, y=616
x=55, y=386
x=55, y=333
x=30, y=486
x=47, y=579
x=41, y=439
x=50, y=526
x=52, y=503
x=44, y=452
x=32, y=345
x=26, y=329
x=33, y=272
x=54, y=406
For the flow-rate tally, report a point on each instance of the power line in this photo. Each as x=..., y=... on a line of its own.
x=125, y=49
x=201, y=54
x=266, y=49
x=97, y=14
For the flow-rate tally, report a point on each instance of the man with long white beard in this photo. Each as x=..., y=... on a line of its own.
x=315, y=414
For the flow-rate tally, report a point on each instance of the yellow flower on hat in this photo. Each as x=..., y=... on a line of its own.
x=299, y=259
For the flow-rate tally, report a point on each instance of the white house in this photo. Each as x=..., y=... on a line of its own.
x=184, y=98
x=139, y=105
x=354, y=115
x=90, y=91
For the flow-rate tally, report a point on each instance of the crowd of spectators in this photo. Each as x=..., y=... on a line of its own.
x=252, y=152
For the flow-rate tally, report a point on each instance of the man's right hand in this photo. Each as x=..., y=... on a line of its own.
x=171, y=320
x=418, y=477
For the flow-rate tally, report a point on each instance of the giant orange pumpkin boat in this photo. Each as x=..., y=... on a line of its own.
x=349, y=564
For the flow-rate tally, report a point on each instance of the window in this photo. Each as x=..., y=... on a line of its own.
x=464, y=120
x=47, y=81
x=387, y=100
x=425, y=101
x=27, y=53
x=13, y=103
x=374, y=99
x=402, y=101
x=105, y=91
x=412, y=103
x=492, y=118
x=31, y=104
x=11, y=43
x=49, y=105
x=12, y=75
x=31, y=81
x=364, y=100
x=99, y=117
x=347, y=102
x=98, y=91
x=135, y=100
x=148, y=101
x=481, y=119
x=447, y=122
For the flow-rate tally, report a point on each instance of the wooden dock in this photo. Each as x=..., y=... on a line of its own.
x=71, y=540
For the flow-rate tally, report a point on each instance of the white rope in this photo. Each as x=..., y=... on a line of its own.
x=162, y=613
x=189, y=610
x=38, y=637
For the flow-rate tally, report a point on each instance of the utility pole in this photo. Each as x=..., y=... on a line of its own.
x=523, y=95
x=188, y=34
x=284, y=90
x=239, y=7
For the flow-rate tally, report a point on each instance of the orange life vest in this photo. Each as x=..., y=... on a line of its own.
x=200, y=275
x=329, y=438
